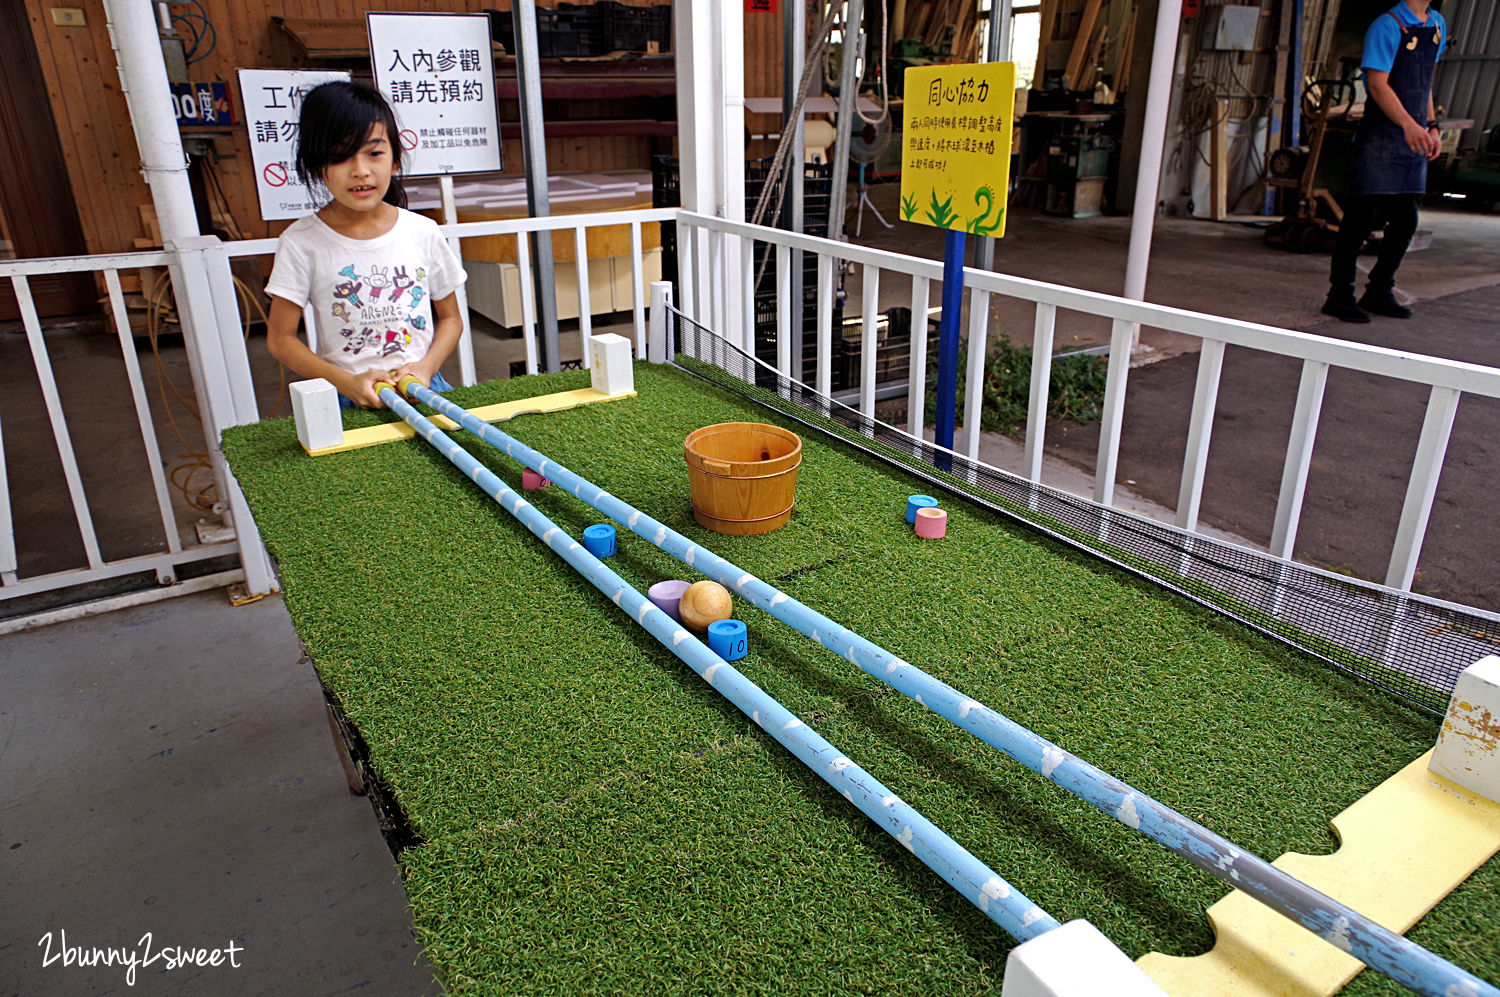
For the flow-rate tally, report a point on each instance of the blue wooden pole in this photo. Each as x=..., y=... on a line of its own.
x=946, y=397
x=1376, y=946
x=1001, y=902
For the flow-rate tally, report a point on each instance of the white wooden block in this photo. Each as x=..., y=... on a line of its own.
x=315, y=406
x=1075, y=960
x=1468, y=748
x=609, y=364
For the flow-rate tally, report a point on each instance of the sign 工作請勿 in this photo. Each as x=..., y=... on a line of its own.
x=955, y=146
x=438, y=72
x=273, y=105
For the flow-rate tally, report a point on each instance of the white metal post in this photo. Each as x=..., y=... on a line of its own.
x=638, y=289
x=660, y=326
x=1299, y=450
x=143, y=81
x=1421, y=489
x=1200, y=429
x=1110, y=420
x=1043, y=334
x=916, y=382
x=711, y=140
x=1153, y=142
x=868, y=341
x=466, y=372
x=979, y=335
x=221, y=376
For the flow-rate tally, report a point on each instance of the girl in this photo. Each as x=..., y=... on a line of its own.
x=381, y=279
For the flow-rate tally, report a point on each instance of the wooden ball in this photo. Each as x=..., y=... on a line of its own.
x=703, y=603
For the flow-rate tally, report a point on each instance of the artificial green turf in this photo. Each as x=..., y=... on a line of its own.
x=565, y=768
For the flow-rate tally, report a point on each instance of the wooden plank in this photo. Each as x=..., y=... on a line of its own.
x=1218, y=162
x=99, y=186
x=1044, y=38
x=1081, y=42
x=1127, y=53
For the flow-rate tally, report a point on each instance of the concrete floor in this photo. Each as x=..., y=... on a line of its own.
x=169, y=768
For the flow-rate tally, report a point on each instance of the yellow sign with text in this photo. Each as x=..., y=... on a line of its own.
x=955, y=146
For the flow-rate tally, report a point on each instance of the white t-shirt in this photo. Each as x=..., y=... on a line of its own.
x=372, y=297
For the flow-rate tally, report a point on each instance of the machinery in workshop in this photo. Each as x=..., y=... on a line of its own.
x=1308, y=176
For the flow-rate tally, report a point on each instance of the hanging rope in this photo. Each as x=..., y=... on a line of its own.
x=774, y=190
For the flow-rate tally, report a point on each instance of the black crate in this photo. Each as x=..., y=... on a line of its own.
x=569, y=31
x=635, y=29
x=817, y=191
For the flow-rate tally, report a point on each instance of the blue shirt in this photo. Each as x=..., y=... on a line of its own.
x=1384, y=36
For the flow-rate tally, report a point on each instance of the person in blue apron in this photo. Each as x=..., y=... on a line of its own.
x=1395, y=141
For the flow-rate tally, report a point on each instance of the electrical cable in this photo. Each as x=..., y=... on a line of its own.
x=885, y=97
x=207, y=31
x=195, y=461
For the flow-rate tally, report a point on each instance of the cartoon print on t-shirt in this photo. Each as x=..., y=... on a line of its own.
x=378, y=280
x=372, y=316
x=401, y=282
x=395, y=342
x=358, y=341
x=349, y=290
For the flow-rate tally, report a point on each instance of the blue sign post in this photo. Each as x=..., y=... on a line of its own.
x=947, y=376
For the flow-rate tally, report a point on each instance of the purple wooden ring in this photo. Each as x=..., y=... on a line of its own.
x=667, y=596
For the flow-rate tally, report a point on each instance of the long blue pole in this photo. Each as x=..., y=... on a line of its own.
x=946, y=397
x=1371, y=943
x=1011, y=910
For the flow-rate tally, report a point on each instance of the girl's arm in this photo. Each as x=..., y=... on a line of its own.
x=285, y=346
x=447, y=328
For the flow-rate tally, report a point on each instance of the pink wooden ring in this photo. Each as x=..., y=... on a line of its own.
x=931, y=523
x=531, y=481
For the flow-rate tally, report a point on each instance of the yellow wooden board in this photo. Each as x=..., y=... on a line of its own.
x=1404, y=847
x=389, y=432
x=955, y=146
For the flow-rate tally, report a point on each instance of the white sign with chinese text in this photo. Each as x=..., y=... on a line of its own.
x=438, y=72
x=273, y=103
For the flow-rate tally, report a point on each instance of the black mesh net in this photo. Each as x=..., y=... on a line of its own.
x=1411, y=645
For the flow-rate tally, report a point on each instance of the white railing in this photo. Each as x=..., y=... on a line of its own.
x=186, y=266
x=212, y=324
x=1447, y=380
x=711, y=251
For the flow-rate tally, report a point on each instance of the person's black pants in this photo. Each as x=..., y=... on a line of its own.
x=1363, y=213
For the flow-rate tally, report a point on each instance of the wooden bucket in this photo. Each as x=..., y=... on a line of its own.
x=743, y=476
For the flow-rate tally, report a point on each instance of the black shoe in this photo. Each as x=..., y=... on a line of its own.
x=1384, y=303
x=1345, y=310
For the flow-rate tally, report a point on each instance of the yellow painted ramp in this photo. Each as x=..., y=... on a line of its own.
x=389, y=432
x=1404, y=847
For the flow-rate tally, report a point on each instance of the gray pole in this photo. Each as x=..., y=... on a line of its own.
x=534, y=162
x=793, y=55
x=848, y=95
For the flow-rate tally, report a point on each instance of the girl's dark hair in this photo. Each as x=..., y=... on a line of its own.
x=336, y=119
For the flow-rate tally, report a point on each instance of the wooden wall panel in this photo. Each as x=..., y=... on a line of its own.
x=99, y=147
x=763, y=74
x=86, y=101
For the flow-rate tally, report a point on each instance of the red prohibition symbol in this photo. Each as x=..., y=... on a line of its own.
x=408, y=139
x=275, y=175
